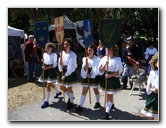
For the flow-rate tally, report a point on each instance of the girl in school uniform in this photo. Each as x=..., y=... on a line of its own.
x=49, y=76
x=151, y=106
x=68, y=62
x=114, y=70
x=89, y=71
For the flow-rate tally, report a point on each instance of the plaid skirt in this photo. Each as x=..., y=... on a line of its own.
x=48, y=76
x=113, y=84
x=92, y=82
x=69, y=80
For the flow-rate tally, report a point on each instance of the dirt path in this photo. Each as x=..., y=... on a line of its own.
x=21, y=93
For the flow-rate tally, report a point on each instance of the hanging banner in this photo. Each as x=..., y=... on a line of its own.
x=84, y=32
x=110, y=32
x=59, y=29
x=88, y=33
x=41, y=33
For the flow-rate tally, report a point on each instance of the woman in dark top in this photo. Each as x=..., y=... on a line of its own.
x=101, y=51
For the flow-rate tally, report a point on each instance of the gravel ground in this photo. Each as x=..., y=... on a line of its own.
x=21, y=93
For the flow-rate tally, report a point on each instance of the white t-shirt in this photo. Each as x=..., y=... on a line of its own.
x=114, y=65
x=149, y=52
x=69, y=60
x=92, y=63
x=153, y=80
x=50, y=59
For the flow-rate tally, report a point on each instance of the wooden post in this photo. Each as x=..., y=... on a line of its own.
x=59, y=33
x=106, y=83
x=62, y=69
x=43, y=78
x=88, y=81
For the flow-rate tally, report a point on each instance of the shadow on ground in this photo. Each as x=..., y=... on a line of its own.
x=91, y=114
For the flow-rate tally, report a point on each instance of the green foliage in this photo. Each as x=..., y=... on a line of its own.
x=133, y=19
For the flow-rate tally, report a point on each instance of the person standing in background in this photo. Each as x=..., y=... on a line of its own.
x=29, y=52
x=38, y=58
x=130, y=61
x=150, y=51
x=101, y=50
x=23, y=56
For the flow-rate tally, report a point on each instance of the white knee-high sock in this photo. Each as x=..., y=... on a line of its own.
x=71, y=97
x=56, y=90
x=67, y=93
x=47, y=96
x=98, y=98
x=108, y=106
x=82, y=99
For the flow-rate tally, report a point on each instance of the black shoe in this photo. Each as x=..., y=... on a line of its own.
x=97, y=105
x=30, y=81
x=57, y=94
x=78, y=108
x=45, y=104
x=106, y=116
x=69, y=100
x=113, y=106
x=124, y=87
x=131, y=85
x=69, y=106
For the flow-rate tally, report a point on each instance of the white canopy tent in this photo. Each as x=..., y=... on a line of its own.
x=68, y=24
x=15, y=32
x=15, y=56
x=14, y=41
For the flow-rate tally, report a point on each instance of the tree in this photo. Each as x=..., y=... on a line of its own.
x=132, y=19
